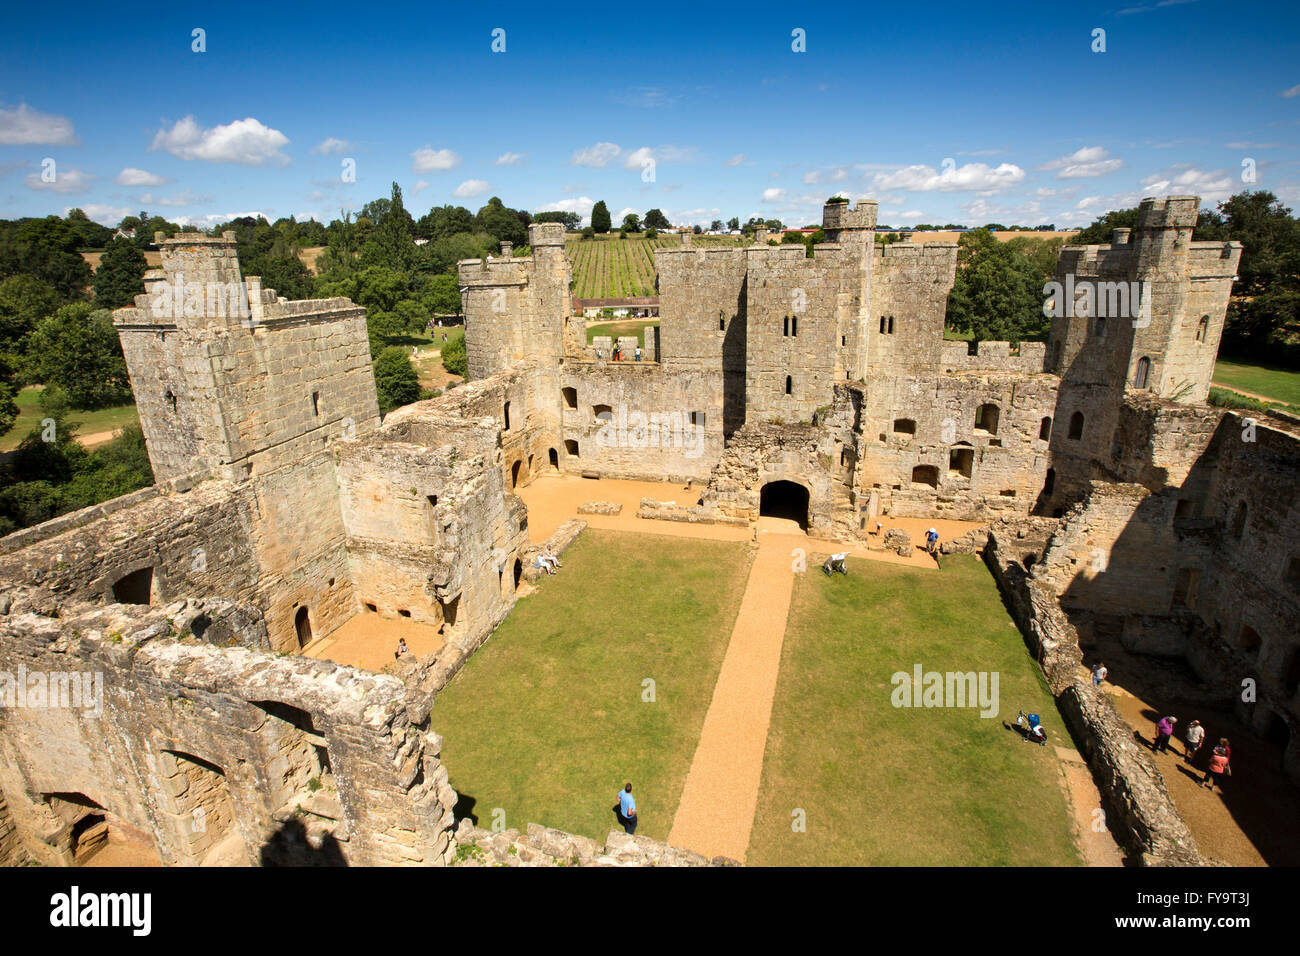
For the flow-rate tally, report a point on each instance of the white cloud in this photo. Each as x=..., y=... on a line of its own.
x=511, y=159
x=104, y=215
x=1186, y=180
x=246, y=142
x=419, y=187
x=139, y=177
x=1249, y=145
x=812, y=177
x=332, y=145
x=66, y=181
x=430, y=160
x=910, y=215
x=972, y=176
x=639, y=158
x=470, y=188
x=773, y=195
x=598, y=155
x=1085, y=162
x=738, y=160
x=1293, y=91
x=582, y=206
x=624, y=212
x=218, y=218
x=23, y=126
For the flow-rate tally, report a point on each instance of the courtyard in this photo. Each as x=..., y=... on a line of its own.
x=767, y=734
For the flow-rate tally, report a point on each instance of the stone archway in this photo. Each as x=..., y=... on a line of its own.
x=784, y=499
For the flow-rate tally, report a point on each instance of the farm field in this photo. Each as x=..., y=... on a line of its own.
x=611, y=268
x=635, y=327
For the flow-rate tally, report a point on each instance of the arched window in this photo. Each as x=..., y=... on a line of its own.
x=570, y=397
x=1076, y=426
x=986, y=418
x=785, y=328
x=925, y=475
x=1202, y=328
x=1045, y=428
x=1142, y=373
x=891, y=325
x=789, y=385
x=794, y=325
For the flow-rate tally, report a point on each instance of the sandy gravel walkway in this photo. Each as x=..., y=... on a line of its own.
x=718, y=802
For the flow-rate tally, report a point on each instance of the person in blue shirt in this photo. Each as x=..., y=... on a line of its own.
x=627, y=809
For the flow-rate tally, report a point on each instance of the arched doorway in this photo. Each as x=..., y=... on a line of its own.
x=555, y=459
x=302, y=624
x=784, y=499
x=519, y=572
x=514, y=474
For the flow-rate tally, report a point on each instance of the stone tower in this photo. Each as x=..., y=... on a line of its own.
x=229, y=378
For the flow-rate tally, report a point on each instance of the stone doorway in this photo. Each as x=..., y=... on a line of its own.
x=302, y=625
x=784, y=499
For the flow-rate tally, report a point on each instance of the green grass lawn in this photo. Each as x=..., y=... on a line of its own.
x=547, y=721
x=885, y=785
x=29, y=417
x=1278, y=384
x=615, y=329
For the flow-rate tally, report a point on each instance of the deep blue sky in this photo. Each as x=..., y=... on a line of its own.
x=1038, y=128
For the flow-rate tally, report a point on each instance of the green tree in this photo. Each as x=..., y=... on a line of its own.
x=570, y=220
x=655, y=219
x=600, y=220
x=998, y=292
x=631, y=223
x=395, y=379
x=442, y=295
x=501, y=223
x=395, y=233
x=589, y=233
x=120, y=276
x=77, y=349
x=454, y=359
x=733, y=223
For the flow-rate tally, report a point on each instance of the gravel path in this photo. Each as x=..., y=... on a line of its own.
x=718, y=802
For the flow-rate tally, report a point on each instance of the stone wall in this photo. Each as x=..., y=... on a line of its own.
x=1134, y=792
x=212, y=754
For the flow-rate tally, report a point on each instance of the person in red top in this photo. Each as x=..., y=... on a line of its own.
x=1218, y=769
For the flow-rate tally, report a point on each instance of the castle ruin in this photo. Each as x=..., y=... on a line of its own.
x=814, y=387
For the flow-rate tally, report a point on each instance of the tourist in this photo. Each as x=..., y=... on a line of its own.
x=402, y=649
x=932, y=541
x=638, y=353
x=1099, y=673
x=1194, y=736
x=1219, y=768
x=627, y=810
x=544, y=563
x=1225, y=747
x=1164, y=730
x=550, y=556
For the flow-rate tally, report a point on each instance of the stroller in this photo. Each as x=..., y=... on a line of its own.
x=1032, y=727
x=836, y=563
